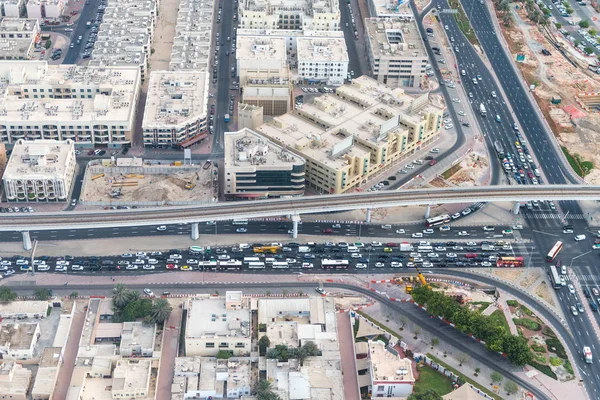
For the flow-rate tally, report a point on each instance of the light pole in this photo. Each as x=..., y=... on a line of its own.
x=581, y=255
x=530, y=256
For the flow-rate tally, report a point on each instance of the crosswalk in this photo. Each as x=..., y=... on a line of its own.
x=554, y=216
x=583, y=277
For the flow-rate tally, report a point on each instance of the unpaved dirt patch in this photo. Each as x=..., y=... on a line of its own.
x=510, y=275
x=543, y=291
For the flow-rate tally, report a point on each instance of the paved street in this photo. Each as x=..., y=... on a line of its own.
x=169, y=350
x=347, y=356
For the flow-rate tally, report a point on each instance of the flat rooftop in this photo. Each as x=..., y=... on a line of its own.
x=393, y=38
x=317, y=379
x=307, y=5
x=37, y=159
x=50, y=357
x=287, y=33
x=19, y=25
x=386, y=366
x=279, y=309
x=261, y=48
x=16, y=383
x=391, y=9
x=175, y=98
x=17, y=336
x=210, y=374
x=23, y=307
x=131, y=374
x=137, y=333
x=322, y=49
x=209, y=318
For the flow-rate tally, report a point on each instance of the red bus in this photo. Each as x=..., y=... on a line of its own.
x=510, y=262
x=554, y=252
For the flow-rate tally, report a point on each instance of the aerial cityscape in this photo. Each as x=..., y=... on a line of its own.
x=298, y=200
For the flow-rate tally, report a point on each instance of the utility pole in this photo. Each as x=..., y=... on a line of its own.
x=32, y=267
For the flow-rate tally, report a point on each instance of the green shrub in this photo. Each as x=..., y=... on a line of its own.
x=556, y=347
x=544, y=369
x=555, y=361
x=539, y=358
x=512, y=303
x=526, y=311
x=548, y=332
x=538, y=348
x=528, y=323
x=569, y=367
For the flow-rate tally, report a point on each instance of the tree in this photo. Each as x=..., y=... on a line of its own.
x=7, y=294
x=223, y=354
x=430, y=394
x=434, y=342
x=517, y=350
x=263, y=344
x=477, y=371
x=507, y=20
x=510, y=387
x=416, y=331
x=463, y=358
x=133, y=295
x=136, y=309
x=120, y=297
x=592, y=32
x=496, y=377
x=42, y=294
x=285, y=292
x=264, y=391
x=74, y=295
x=161, y=310
x=558, y=25
x=589, y=50
x=48, y=44
x=311, y=349
x=273, y=354
x=403, y=320
x=584, y=24
x=504, y=5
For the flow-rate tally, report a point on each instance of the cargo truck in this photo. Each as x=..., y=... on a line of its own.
x=482, y=110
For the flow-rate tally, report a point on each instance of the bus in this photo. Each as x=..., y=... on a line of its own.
x=239, y=222
x=510, y=262
x=440, y=219
x=248, y=260
x=196, y=250
x=256, y=265
x=499, y=149
x=205, y=265
x=230, y=265
x=554, y=252
x=266, y=249
x=280, y=265
x=556, y=282
x=334, y=264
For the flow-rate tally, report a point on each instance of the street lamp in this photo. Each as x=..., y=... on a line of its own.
x=581, y=255
x=530, y=256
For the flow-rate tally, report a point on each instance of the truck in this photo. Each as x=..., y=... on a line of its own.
x=499, y=149
x=406, y=247
x=482, y=110
x=303, y=249
x=587, y=354
x=226, y=117
x=88, y=24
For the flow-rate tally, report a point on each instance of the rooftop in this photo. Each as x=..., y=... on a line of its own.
x=210, y=374
x=247, y=148
x=322, y=49
x=391, y=9
x=17, y=336
x=8, y=25
x=317, y=379
x=208, y=317
x=23, y=307
x=14, y=379
x=393, y=38
x=38, y=159
x=261, y=48
x=50, y=357
x=137, y=334
x=289, y=33
x=131, y=374
x=387, y=365
x=45, y=378
x=312, y=309
x=107, y=330
x=308, y=6
x=175, y=98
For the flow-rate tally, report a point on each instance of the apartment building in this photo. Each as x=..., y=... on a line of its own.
x=390, y=9
x=249, y=116
x=125, y=35
x=13, y=8
x=395, y=51
x=391, y=376
x=355, y=134
x=192, y=44
x=45, y=9
x=322, y=60
x=261, y=58
x=94, y=105
x=176, y=108
x=40, y=170
x=18, y=37
x=289, y=14
x=4, y=159
x=256, y=168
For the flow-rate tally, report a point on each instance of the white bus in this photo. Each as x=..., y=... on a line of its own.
x=251, y=259
x=256, y=265
x=556, y=282
x=207, y=265
x=239, y=222
x=554, y=251
x=337, y=264
x=441, y=219
x=280, y=265
x=196, y=250
x=230, y=265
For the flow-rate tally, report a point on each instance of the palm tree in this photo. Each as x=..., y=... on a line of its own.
x=120, y=296
x=263, y=386
x=133, y=295
x=161, y=310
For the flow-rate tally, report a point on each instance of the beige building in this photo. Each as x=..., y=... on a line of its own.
x=218, y=324
x=289, y=14
x=131, y=379
x=395, y=51
x=137, y=339
x=273, y=95
x=17, y=341
x=23, y=309
x=398, y=9
x=176, y=108
x=323, y=60
x=359, y=132
x=45, y=379
x=40, y=170
x=259, y=57
x=249, y=117
x=18, y=37
x=391, y=376
x=45, y=9
x=13, y=8
x=85, y=104
x=14, y=381
x=4, y=159
x=257, y=168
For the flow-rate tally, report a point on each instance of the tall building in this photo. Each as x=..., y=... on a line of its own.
x=255, y=168
x=13, y=8
x=84, y=104
x=355, y=134
x=45, y=9
x=18, y=37
x=395, y=52
x=322, y=60
x=40, y=170
x=321, y=15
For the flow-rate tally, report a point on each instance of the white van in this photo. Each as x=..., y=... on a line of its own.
x=386, y=226
x=579, y=238
x=352, y=249
x=425, y=249
x=563, y=270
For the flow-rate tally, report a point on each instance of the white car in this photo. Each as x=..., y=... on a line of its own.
x=60, y=268
x=455, y=100
x=123, y=262
x=139, y=262
x=176, y=256
x=409, y=166
x=148, y=292
x=211, y=222
x=148, y=267
x=417, y=235
x=131, y=267
x=428, y=231
x=161, y=228
x=462, y=113
x=507, y=247
x=43, y=267
x=376, y=244
x=59, y=262
x=396, y=264
x=223, y=257
x=486, y=264
x=457, y=248
x=571, y=288
x=579, y=238
x=140, y=254
x=444, y=228
x=466, y=211
x=127, y=255
x=463, y=233
x=379, y=265
x=574, y=310
x=401, y=231
x=413, y=255
x=440, y=248
x=77, y=268
x=241, y=230
x=291, y=260
x=488, y=228
x=494, y=94
x=307, y=265
x=451, y=255
x=192, y=261
x=356, y=255
x=153, y=261
x=6, y=263
x=361, y=266
x=433, y=255
x=471, y=243
x=455, y=216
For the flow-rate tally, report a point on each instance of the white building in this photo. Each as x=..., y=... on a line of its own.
x=192, y=44
x=18, y=340
x=395, y=51
x=261, y=58
x=12, y=8
x=323, y=60
x=390, y=9
x=137, y=339
x=391, y=376
x=23, y=309
x=176, y=108
x=45, y=9
x=290, y=14
x=85, y=104
x=18, y=37
x=131, y=379
x=40, y=170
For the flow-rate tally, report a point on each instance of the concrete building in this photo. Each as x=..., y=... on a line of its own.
x=395, y=51
x=273, y=95
x=23, y=309
x=18, y=37
x=257, y=168
x=322, y=60
x=359, y=132
x=45, y=380
x=215, y=324
x=45, y=9
x=176, y=108
x=14, y=381
x=249, y=116
x=17, y=341
x=13, y=8
x=289, y=14
x=261, y=58
x=85, y=104
x=137, y=340
x=208, y=377
x=40, y=170
x=192, y=44
x=397, y=9
x=4, y=159
x=131, y=379
x=391, y=376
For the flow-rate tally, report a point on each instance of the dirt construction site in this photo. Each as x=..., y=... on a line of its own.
x=149, y=185
x=565, y=93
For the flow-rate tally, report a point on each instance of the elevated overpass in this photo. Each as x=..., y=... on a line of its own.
x=293, y=207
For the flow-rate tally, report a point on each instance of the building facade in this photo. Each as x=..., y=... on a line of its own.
x=40, y=170
x=255, y=168
x=18, y=37
x=14, y=381
x=45, y=9
x=391, y=376
x=322, y=60
x=13, y=8
x=289, y=14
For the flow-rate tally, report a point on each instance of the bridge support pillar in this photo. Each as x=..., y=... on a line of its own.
x=195, y=232
x=368, y=219
x=26, y=240
x=427, y=211
x=295, y=220
x=516, y=207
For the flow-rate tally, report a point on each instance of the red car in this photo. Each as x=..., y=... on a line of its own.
x=470, y=255
x=91, y=152
x=328, y=230
x=530, y=174
x=391, y=244
x=171, y=266
x=432, y=162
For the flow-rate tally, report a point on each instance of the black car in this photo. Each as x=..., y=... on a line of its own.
x=102, y=152
x=96, y=267
x=125, y=150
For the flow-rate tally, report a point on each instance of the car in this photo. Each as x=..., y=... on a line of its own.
x=428, y=231
x=61, y=268
x=176, y=256
x=123, y=262
x=417, y=235
x=161, y=228
x=186, y=268
x=241, y=230
x=435, y=150
x=571, y=288
x=486, y=264
x=507, y=232
x=488, y=228
x=396, y=264
x=471, y=243
x=463, y=233
x=433, y=255
x=379, y=265
x=148, y=292
x=517, y=227
x=455, y=216
x=455, y=100
x=171, y=266
x=140, y=254
x=580, y=308
x=9, y=272
x=574, y=311
x=361, y=266
x=494, y=94
x=376, y=244
x=444, y=228
x=400, y=231
x=579, y=238
x=567, y=230
x=211, y=222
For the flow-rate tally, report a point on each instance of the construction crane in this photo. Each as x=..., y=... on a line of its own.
x=409, y=288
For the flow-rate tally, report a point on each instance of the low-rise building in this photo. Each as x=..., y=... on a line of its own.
x=290, y=14
x=395, y=51
x=192, y=44
x=40, y=170
x=45, y=9
x=17, y=341
x=249, y=116
x=316, y=379
x=398, y=9
x=391, y=376
x=218, y=324
x=322, y=60
x=137, y=339
x=176, y=108
x=14, y=381
x=255, y=168
x=204, y=377
x=45, y=380
x=18, y=37
x=273, y=95
x=131, y=379
x=23, y=309
x=359, y=132
x=259, y=57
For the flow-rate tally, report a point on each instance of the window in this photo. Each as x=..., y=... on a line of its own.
x=239, y=345
x=224, y=345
